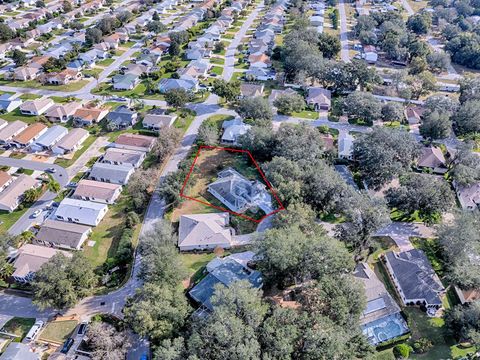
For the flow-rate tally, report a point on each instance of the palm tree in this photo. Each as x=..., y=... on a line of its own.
x=31, y=195
x=7, y=271
x=53, y=185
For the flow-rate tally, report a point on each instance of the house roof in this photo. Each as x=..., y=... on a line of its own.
x=90, y=114
x=31, y=258
x=318, y=95
x=415, y=276
x=135, y=140
x=36, y=104
x=431, y=157
x=96, y=190
x=4, y=178
x=123, y=156
x=63, y=110
x=276, y=93
x=156, y=120
x=379, y=302
x=29, y=133
x=122, y=115
x=227, y=273
x=113, y=173
x=52, y=135
x=232, y=132
x=11, y=129
x=69, y=141
x=7, y=99
x=204, y=230
x=74, y=208
x=469, y=196
x=251, y=89
x=62, y=233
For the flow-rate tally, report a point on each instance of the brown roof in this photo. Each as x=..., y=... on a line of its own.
x=31, y=258
x=431, y=157
x=62, y=233
x=135, y=140
x=95, y=189
x=4, y=178
x=29, y=133
x=93, y=114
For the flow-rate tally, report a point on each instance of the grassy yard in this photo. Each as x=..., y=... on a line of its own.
x=8, y=219
x=19, y=326
x=107, y=234
x=306, y=114
x=218, y=61
x=66, y=162
x=183, y=121
x=194, y=262
x=32, y=84
x=17, y=115
x=218, y=70
x=58, y=331
x=26, y=97
x=105, y=62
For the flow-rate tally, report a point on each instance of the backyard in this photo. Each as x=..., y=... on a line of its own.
x=19, y=327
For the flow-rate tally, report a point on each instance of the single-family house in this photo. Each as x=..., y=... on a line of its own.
x=467, y=296
x=157, y=121
x=125, y=81
x=36, y=107
x=204, y=232
x=259, y=61
x=12, y=129
x=62, y=112
x=12, y=195
x=47, y=140
x=115, y=174
x=63, y=235
x=345, y=145
x=414, y=114
x=240, y=194
x=414, y=278
x=432, y=158
x=63, y=77
x=29, y=135
x=89, y=116
x=126, y=157
x=70, y=142
x=135, y=69
x=168, y=84
x=226, y=273
x=469, y=196
x=97, y=191
x=276, y=93
x=261, y=74
x=76, y=65
x=370, y=54
x=381, y=308
x=148, y=60
x=5, y=180
x=135, y=142
x=233, y=129
x=319, y=98
x=19, y=351
x=251, y=90
x=80, y=211
x=8, y=102
x=122, y=117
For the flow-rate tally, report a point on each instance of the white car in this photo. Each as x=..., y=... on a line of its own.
x=36, y=213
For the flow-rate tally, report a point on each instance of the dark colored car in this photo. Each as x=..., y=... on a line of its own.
x=67, y=345
x=82, y=329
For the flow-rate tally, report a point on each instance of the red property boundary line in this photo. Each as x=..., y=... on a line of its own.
x=280, y=208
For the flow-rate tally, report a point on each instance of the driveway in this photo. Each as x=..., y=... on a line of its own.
x=401, y=232
x=92, y=151
x=60, y=174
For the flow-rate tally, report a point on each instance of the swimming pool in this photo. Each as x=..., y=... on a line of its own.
x=384, y=329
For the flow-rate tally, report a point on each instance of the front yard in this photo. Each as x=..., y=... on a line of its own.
x=33, y=84
x=19, y=327
x=58, y=331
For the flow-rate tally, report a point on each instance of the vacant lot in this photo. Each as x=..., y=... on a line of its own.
x=58, y=331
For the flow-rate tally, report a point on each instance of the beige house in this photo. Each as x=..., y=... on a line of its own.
x=135, y=142
x=29, y=135
x=432, y=158
x=62, y=235
x=319, y=98
x=12, y=195
x=156, y=122
x=12, y=129
x=89, y=116
x=70, y=142
x=62, y=113
x=204, y=232
x=5, y=180
x=30, y=259
x=36, y=107
x=97, y=191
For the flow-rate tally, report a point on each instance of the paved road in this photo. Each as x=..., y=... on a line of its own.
x=344, y=53
x=279, y=119
x=92, y=151
x=26, y=220
x=14, y=305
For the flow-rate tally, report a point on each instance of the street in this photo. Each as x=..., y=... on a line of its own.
x=344, y=52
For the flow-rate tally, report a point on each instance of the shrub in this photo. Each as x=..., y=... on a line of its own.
x=401, y=351
x=422, y=345
x=132, y=220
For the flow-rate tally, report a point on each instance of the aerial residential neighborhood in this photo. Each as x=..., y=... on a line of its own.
x=239, y=179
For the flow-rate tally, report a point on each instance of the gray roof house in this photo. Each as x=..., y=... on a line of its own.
x=469, y=196
x=122, y=117
x=320, y=98
x=157, y=121
x=62, y=235
x=116, y=156
x=115, y=174
x=345, y=145
x=49, y=138
x=81, y=212
x=204, y=232
x=381, y=320
x=232, y=130
x=70, y=142
x=8, y=102
x=168, y=84
x=240, y=194
x=97, y=191
x=19, y=351
x=432, y=158
x=414, y=278
x=227, y=273
x=125, y=81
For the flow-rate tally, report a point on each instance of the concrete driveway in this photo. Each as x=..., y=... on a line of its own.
x=60, y=174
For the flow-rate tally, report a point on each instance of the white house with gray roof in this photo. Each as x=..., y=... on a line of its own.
x=63, y=235
x=116, y=156
x=414, y=278
x=49, y=138
x=115, y=174
x=233, y=129
x=81, y=212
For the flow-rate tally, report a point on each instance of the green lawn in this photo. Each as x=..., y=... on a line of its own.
x=306, y=114
x=194, y=262
x=63, y=99
x=216, y=70
x=92, y=72
x=58, y=331
x=8, y=219
x=17, y=115
x=183, y=121
x=66, y=163
x=218, y=61
x=32, y=84
x=29, y=96
x=19, y=326
x=105, y=62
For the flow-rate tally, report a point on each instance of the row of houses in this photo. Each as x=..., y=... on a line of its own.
x=317, y=17
x=263, y=41
x=71, y=224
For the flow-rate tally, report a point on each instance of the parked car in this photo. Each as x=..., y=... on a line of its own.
x=51, y=170
x=36, y=213
x=67, y=345
x=82, y=328
x=34, y=331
